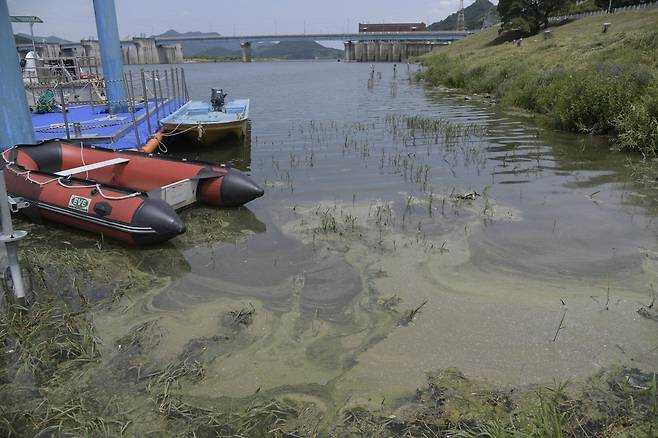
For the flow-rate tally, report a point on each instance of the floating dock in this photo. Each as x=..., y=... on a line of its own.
x=77, y=111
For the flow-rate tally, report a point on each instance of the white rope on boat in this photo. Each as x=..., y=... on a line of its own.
x=26, y=174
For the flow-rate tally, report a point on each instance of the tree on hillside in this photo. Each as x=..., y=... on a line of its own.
x=527, y=15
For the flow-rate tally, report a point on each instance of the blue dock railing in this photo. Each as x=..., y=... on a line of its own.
x=78, y=110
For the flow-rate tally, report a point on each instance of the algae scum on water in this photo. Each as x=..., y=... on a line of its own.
x=417, y=274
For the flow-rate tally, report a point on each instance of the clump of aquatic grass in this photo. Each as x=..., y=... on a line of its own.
x=174, y=371
x=144, y=335
x=383, y=215
x=259, y=418
x=46, y=337
x=389, y=303
x=206, y=224
x=411, y=314
x=86, y=274
x=650, y=311
x=256, y=417
x=333, y=220
x=25, y=412
x=350, y=221
x=191, y=417
x=328, y=222
x=241, y=317
x=431, y=130
x=448, y=400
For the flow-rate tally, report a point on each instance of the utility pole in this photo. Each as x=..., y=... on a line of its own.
x=460, y=17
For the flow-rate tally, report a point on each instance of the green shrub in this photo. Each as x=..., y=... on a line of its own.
x=602, y=98
x=445, y=70
x=638, y=124
x=587, y=102
x=522, y=91
x=591, y=100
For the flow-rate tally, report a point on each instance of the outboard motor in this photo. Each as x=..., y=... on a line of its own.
x=217, y=97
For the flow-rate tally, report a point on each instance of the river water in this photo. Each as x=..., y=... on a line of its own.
x=531, y=250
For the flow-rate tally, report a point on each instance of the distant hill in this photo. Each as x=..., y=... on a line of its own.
x=49, y=39
x=474, y=16
x=205, y=48
x=22, y=40
x=298, y=49
x=217, y=52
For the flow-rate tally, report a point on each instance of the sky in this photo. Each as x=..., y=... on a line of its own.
x=74, y=19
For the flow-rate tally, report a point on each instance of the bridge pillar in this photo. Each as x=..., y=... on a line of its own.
x=396, y=48
x=373, y=50
x=246, y=51
x=404, y=51
x=111, y=55
x=358, y=51
x=349, y=51
x=15, y=116
x=384, y=51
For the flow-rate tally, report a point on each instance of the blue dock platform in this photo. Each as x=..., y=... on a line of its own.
x=92, y=124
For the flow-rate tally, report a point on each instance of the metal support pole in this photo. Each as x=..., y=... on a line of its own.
x=157, y=75
x=166, y=79
x=66, y=117
x=34, y=47
x=186, y=95
x=173, y=89
x=111, y=55
x=132, y=87
x=131, y=109
x=146, y=103
x=155, y=97
x=11, y=238
x=91, y=94
x=178, y=90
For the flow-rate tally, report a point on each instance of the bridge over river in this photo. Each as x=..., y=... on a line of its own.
x=359, y=46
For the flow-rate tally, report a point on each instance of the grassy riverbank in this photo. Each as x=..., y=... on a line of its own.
x=583, y=80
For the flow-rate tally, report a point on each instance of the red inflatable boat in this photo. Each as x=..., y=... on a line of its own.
x=128, y=196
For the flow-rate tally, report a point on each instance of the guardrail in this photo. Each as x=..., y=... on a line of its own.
x=560, y=18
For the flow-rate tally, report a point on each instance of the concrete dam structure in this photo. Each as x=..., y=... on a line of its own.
x=382, y=49
x=387, y=51
x=135, y=51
